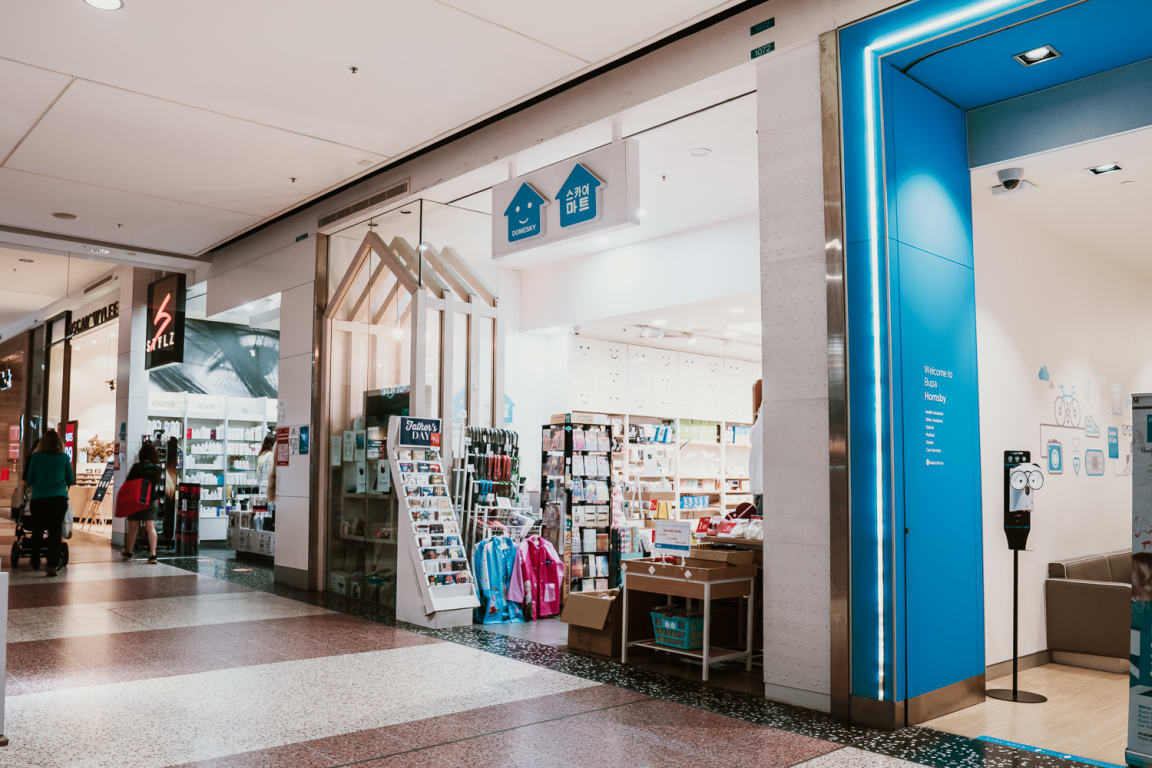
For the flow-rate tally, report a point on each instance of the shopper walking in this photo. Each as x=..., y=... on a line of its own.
x=49, y=473
x=148, y=469
x=266, y=468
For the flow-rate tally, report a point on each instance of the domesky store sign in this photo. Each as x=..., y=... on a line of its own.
x=595, y=192
x=165, y=326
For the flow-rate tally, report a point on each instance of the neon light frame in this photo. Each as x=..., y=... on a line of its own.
x=919, y=32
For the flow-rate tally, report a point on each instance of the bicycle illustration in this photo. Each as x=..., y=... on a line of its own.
x=1067, y=408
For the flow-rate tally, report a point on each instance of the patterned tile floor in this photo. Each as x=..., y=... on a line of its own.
x=204, y=662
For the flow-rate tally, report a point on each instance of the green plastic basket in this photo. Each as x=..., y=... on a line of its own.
x=683, y=632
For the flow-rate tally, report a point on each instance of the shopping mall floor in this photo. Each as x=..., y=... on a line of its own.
x=202, y=661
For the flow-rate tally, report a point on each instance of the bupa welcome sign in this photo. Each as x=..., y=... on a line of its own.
x=165, y=327
x=592, y=192
x=421, y=433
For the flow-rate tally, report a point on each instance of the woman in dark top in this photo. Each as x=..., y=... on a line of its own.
x=148, y=468
x=49, y=473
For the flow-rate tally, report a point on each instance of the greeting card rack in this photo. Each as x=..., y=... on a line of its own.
x=438, y=590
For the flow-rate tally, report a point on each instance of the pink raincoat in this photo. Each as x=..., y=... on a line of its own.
x=537, y=577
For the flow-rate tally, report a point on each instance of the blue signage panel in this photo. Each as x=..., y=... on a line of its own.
x=524, y=214
x=577, y=197
x=1113, y=443
x=420, y=432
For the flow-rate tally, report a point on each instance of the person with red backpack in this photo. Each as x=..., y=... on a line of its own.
x=150, y=473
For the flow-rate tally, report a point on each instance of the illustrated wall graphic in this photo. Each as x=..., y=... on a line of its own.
x=1091, y=429
x=1067, y=408
x=1055, y=453
x=1076, y=465
x=1113, y=443
x=1094, y=462
x=1044, y=375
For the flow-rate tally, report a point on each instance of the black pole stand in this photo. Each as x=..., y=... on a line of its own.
x=1016, y=695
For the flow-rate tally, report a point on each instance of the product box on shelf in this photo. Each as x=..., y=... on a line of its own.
x=593, y=620
x=726, y=556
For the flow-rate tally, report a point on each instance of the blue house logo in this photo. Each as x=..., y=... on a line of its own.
x=524, y=214
x=577, y=196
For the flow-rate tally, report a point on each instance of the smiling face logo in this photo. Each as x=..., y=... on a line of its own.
x=525, y=214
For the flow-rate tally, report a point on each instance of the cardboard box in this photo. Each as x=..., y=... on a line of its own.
x=593, y=620
x=729, y=556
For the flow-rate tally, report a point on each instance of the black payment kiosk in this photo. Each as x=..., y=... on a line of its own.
x=1021, y=479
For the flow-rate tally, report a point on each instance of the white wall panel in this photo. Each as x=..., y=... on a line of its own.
x=664, y=384
x=582, y=374
x=793, y=312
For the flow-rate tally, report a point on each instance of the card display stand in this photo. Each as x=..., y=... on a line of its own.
x=577, y=498
x=438, y=589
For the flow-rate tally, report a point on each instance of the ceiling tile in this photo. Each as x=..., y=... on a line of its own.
x=27, y=200
x=28, y=91
x=424, y=68
x=591, y=29
x=114, y=138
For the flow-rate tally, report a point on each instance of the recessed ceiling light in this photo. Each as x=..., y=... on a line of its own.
x=1035, y=56
x=64, y=215
x=690, y=340
x=1106, y=168
x=659, y=323
x=736, y=310
x=28, y=261
x=700, y=151
x=106, y=5
x=99, y=251
x=641, y=213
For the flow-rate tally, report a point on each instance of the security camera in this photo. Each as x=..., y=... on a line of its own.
x=1010, y=178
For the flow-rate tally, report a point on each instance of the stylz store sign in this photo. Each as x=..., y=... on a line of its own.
x=165, y=327
x=591, y=193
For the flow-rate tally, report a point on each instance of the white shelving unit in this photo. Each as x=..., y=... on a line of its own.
x=689, y=466
x=205, y=426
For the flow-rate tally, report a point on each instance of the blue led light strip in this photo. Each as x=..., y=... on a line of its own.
x=1049, y=752
x=872, y=54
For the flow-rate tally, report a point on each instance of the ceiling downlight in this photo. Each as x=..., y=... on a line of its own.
x=1039, y=55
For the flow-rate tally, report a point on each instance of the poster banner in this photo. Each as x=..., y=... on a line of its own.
x=283, y=454
x=1139, y=750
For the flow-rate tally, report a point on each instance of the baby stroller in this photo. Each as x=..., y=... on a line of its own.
x=22, y=546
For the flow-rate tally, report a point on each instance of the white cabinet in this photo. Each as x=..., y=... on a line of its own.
x=582, y=374
x=737, y=390
x=612, y=376
x=641, y=384
x=664, y=390
x=618, y=378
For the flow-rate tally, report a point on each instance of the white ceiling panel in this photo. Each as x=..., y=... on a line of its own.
x=26, y=93
x=1102, y=216
x=30, y=281
x=28, y=200
x=106, y=136
x=591, y=29
x=424, y=68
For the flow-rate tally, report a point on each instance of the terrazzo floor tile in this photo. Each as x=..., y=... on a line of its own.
x=288, y=703
x=135, y=569
x=48, y=593
x=850, y=757
x=169, y=612
x=66, y=621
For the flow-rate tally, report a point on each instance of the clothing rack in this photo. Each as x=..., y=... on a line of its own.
x=484, y=521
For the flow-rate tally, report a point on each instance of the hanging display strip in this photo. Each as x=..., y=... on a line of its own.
x=436, y=545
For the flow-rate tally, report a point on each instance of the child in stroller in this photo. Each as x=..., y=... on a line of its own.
x=22, y=546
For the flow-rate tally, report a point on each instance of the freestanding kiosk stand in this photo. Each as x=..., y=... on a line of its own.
x=1021, y=479
x=435, y=588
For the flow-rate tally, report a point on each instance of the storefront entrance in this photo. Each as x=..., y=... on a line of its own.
x=590, y=389
x=984, y=293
